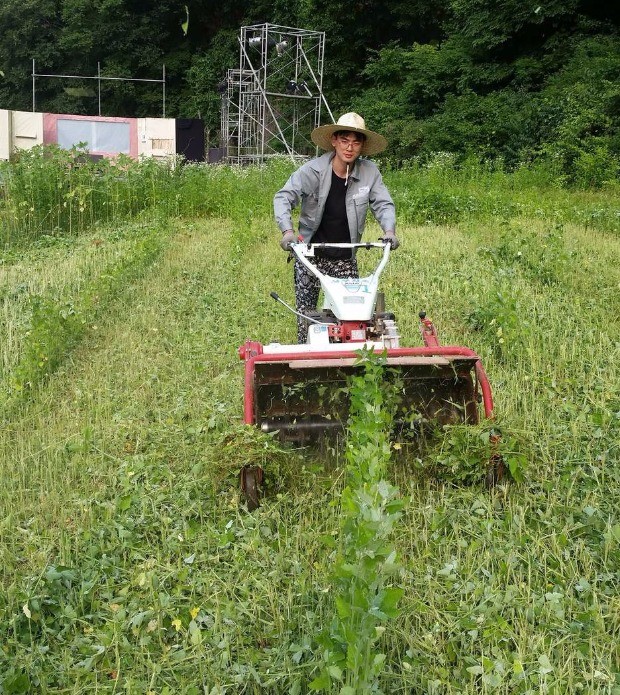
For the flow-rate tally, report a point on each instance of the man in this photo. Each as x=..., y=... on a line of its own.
x=335, y=190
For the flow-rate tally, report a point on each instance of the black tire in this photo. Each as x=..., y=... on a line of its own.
x=251, y=477
x=496, y=471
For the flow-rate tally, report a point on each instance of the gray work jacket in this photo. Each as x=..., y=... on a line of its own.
x=311, y=184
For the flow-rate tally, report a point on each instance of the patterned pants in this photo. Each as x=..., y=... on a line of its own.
x=307, y=286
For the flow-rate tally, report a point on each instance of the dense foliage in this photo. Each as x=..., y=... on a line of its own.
x=494, y=78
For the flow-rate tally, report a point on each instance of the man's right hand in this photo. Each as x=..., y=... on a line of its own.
x=287, y=239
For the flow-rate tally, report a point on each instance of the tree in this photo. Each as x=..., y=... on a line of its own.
x=30, y=30
x=489, y=77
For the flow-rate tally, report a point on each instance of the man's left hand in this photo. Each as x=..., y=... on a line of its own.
x=392, y=239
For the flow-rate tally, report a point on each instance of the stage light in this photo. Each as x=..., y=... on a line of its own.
x=303, y=85
x=281, y=46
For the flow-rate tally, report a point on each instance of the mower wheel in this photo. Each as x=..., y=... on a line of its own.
x=496, y=471
x=251, y=478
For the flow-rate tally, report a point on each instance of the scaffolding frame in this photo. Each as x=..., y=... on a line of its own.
x=99, y=77
x=273, y=101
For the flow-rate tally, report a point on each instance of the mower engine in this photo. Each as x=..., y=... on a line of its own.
x=353, y=309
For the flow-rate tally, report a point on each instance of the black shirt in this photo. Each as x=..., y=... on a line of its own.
x=334, y=226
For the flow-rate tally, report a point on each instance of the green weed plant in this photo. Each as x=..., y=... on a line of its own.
x=48, y=192
x=365, y=562
x=51, y=192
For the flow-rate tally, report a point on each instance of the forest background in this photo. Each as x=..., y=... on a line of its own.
x=512, y=81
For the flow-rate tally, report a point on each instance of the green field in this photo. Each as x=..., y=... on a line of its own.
x=129, y=563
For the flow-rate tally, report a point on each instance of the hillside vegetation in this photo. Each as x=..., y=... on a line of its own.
x=129, y=562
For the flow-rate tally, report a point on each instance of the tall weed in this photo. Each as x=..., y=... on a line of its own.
x=51, y=192
x=365, y=560
x=55, y=192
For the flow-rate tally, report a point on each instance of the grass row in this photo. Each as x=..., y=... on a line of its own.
x=46, y=193
x=47, y=313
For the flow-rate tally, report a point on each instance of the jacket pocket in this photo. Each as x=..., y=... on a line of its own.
x=360, y=209
x=309, y=209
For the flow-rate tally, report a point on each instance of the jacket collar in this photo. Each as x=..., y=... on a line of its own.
x=322, y=161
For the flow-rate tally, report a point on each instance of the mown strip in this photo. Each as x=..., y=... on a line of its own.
x=58, y=324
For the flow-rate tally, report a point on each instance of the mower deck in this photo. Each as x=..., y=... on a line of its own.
x=302, y=393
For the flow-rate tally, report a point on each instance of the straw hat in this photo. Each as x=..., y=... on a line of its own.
x=374, y=143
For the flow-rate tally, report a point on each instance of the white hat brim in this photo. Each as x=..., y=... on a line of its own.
x=374, y=143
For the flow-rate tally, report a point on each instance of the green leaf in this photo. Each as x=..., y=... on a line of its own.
x=389, y=602
x=335, y=672
x=321, y=682
x=362, y=598
x=18, y=683
x=328, y=541
x=378, y=661
x=343, y=608
x=545, y=665
x=517, y=667
x=613, y=534
x=124, y=503
x=185, y=25
x=516, y=466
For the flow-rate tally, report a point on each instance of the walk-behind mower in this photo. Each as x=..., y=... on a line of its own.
x=300, y=390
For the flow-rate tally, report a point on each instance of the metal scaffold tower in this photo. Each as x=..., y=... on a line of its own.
x=271, y=104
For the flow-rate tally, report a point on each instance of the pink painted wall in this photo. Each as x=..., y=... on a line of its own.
x=51, y=127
